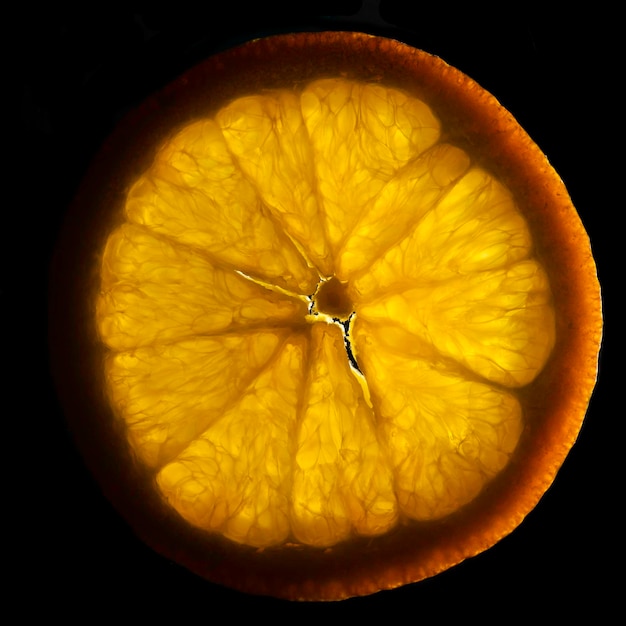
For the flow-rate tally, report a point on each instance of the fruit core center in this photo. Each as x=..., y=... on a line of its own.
x=332, y=299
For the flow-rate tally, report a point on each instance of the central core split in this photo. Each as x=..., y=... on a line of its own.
x=331, y=298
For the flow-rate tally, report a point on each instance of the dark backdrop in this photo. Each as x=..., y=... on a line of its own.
x=81, y=70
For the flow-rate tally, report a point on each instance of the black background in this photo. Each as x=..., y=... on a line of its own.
x=80, y=71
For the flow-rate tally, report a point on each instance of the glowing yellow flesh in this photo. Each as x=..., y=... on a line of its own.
x=244, y=403
x=236, y=477
x=341, y=480
x=196, y=194
x=171, y=393
x=463, y=281
x=446, y=435
x=160, y=292
x=267, y=136
x=360, y=135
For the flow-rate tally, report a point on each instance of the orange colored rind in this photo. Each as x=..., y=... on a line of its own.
x=553, y=403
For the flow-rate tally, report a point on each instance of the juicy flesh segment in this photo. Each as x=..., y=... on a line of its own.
x=239, y=391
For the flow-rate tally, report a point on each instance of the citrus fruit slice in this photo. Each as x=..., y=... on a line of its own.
x=331, y=323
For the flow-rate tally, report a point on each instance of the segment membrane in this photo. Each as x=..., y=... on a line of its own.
x=446, y=435
x=474, y=227
x=341, y=482
x=270, y=142
x=462, y=281
x=500, y=323
x=236, y=477
x=400, y=204
x=196, y=194
x=361, y=135
x=154, y=291
x=168, y=394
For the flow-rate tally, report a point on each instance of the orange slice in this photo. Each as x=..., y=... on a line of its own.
x=331, y=310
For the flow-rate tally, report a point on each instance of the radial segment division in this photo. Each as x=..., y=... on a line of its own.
x=270, y=248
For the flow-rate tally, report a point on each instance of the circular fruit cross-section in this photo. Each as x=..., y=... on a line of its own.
x=264, y=226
